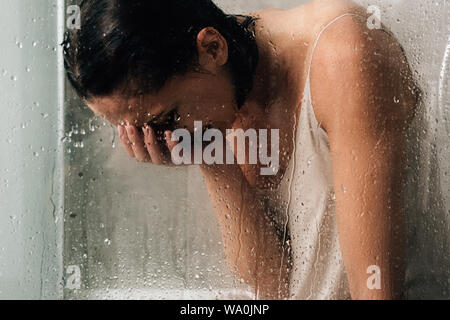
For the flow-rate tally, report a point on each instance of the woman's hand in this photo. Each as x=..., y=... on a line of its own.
x=144, y=145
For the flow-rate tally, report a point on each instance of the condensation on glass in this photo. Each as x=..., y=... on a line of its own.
x=80, y=219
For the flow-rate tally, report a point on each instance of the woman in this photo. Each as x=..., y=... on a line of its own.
x=331, y=223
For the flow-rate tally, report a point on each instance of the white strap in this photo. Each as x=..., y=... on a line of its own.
x=320, y=33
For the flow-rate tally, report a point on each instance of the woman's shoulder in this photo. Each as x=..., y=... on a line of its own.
x=352, y=55
x=314, y=8
x=320, y=12
x=307, y=19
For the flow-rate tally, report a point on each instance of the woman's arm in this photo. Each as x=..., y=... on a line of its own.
x=254, y=250
x=365, y=96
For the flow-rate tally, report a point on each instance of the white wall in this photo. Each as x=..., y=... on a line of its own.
x=30, y=259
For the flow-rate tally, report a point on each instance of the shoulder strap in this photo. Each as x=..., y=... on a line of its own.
x=320, y=33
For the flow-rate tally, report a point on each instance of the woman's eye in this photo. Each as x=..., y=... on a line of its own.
x=174, y=116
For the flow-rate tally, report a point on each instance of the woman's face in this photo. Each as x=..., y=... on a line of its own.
x=205, y=94
x=183, y=99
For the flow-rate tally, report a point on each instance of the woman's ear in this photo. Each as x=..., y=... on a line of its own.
x=212, y=49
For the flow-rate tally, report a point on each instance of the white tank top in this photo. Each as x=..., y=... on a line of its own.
x=305, y=206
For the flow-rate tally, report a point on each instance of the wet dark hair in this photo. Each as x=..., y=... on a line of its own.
x=140, y=44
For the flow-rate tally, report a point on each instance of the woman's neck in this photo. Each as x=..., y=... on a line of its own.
x=271, y=80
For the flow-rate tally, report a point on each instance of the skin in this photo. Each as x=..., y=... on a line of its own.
x=362, y=96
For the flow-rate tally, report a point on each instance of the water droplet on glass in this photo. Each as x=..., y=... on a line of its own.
x=79, y=144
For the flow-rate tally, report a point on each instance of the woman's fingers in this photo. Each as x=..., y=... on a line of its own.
x=137, y=144
x=170, y=144
x=145, y=148
x=125, y=141
x=153, y=148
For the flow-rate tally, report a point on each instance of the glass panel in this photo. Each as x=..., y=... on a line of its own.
x=80, y=219
x=134, y=230
x=428, y=197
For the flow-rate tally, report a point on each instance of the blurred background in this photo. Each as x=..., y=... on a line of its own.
x=79, y=219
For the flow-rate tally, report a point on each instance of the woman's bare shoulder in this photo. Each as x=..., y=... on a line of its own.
x=351, y=57
x=319, y=12
x=306, y=19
